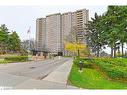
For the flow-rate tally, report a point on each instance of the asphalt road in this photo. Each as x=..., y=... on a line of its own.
x=48, y=74
x=36, y=70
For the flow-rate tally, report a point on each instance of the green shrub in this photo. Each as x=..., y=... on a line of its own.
x=115, y=68
x=115, y=61
x=16, y=58
x=77, y=60
x=118, y=72
x=4, y=62
x=87, y=63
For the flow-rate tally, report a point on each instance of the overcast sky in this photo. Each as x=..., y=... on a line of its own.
x=19, y=18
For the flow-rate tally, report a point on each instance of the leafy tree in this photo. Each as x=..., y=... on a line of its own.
x=3, y=38
x=26, y=44
x=14, y=42
x=73, y=42
x=73, y=47
x=95, y=39
x=114, y=26
x=122, y=25
x=8, y=41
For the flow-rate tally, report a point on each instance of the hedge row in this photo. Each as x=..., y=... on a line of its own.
x=4, y=62
x=87, y=63
x=115, y=61
x=113, y=70
x=16, y=58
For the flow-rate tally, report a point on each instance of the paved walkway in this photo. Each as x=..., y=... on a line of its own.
x=60, y=75
x=55, y=80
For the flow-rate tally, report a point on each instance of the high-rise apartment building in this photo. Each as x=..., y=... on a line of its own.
x=56, y=27
x=74, y=19
x=53, y=33
x=40, y=34
x=66, y=26
x=82, y=17
x=66, y=23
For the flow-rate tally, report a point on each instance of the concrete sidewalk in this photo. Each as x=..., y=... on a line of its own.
x=55, y=80
x=60, y=75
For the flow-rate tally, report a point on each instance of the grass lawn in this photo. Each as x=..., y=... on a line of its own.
x=92, y=79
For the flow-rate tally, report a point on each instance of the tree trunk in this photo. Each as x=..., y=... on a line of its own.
x=111, y=52
x=115, y=51
x=122, y=50
x=98, y=51
x=78, y=53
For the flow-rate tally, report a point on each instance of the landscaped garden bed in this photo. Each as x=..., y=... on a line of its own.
x=114, y=68
x=100, y=73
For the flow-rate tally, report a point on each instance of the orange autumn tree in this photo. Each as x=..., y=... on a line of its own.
x=74, y=47
x=73, y=43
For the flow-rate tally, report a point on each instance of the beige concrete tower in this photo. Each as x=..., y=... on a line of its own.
x=53, y=33
x=82, y=17
x=74, y=19
x=66, y=25
x=52, y=30
x=40, y=33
